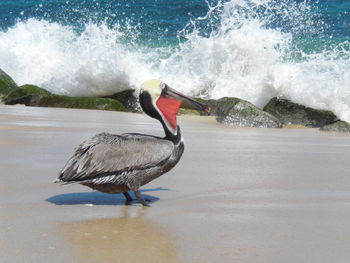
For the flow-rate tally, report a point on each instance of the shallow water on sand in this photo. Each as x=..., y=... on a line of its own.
x=237, y=195
x=128, y=238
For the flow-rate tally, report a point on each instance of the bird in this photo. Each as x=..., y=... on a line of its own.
x=113, y=163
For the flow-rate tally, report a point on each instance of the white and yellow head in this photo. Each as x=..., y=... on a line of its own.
x=154, y=87
x=160, y=101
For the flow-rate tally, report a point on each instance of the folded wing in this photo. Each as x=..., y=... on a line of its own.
x=106, y=154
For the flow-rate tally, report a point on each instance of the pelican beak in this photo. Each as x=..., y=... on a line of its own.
x=186, y=102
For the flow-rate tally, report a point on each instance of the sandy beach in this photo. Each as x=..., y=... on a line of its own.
x=237, y=195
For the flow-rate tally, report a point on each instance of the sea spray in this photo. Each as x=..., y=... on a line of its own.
x=253, y=52
x=57, y=58
x=252, y=49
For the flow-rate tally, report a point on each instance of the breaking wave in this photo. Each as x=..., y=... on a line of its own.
x=252, y=49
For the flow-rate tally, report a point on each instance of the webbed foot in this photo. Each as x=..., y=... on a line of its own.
x=140, y=198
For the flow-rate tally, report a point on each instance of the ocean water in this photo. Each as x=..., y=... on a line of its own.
x=252, y=49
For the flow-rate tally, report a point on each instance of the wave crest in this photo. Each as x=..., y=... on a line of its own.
x=63, y=61
x=252, y=49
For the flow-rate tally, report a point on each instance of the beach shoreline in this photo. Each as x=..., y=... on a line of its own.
x=237, y=194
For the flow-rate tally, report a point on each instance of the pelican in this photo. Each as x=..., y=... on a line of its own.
x=120, y=163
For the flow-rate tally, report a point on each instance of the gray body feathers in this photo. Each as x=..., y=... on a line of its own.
x=119, y=163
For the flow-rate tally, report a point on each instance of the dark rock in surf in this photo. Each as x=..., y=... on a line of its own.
x=293, y=113
x=339, y=126
x=213, y=104
x=61, y=101
x=31, y=95
x=26, y=94
x=238, y=112
x=128, y=98
x=7, y=84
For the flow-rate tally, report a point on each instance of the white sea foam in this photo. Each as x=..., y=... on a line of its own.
x=241, y=57
x=247, y=59
x=55, y=57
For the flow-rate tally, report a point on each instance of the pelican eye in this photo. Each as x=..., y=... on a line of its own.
x=164, y=88
x=163, y=85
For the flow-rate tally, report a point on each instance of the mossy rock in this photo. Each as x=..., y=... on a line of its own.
x=339, y=126
x=293, y=113
x=128, y=98
x=32, y=89
x=213, y=104
x=238, y=112
x=25, y=95
x=31, y=95
x=7, y=84
x=61, y=101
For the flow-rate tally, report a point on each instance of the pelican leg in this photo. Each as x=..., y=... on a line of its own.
x=140, y=199
x=127, y=197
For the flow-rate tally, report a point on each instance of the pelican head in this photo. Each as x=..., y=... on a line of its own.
x=161, y=102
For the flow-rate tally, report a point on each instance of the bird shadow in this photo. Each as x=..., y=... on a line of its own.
x=98, y=198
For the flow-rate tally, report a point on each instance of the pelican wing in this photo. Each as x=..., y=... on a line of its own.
x=106, y=153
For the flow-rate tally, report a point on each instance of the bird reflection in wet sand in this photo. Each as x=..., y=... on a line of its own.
x=130, y=238
x=119, y=163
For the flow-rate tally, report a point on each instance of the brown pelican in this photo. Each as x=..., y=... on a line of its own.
x=119, y=163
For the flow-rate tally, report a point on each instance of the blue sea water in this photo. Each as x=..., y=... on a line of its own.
x=253, y=49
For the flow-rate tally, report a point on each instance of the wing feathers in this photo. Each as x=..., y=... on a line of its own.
x=106, y=154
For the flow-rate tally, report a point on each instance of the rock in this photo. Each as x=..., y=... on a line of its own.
x=26, y=94
x=7, y=84
x=339, y=126
x=61, y=101
x=128, y=98
x=293, y=113
x=211, y=103
x=31, y=95
x=32, y=89
x=238, y=112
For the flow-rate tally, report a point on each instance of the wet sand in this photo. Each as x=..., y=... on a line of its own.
x=237, y=195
